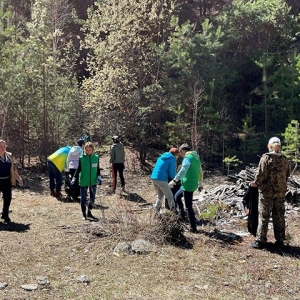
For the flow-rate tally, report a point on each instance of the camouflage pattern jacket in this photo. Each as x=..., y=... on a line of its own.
x=273, y=172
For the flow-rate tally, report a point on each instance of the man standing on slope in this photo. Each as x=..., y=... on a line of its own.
x=271, y=179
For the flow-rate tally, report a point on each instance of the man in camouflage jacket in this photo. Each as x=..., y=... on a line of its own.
x=271, y=179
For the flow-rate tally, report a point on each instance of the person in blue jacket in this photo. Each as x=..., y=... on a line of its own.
x=165, y=168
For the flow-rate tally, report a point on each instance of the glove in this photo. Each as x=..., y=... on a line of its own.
x=72, y=181
x=200, y=186
x=99, y=180
x=172, y=183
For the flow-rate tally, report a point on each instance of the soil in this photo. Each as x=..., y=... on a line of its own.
x=47, y=238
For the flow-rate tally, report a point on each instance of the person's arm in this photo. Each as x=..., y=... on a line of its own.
x=112, y=154
x=172, y=168
x=77, y=171
x=185, y=166
x=18, y=177
x=67, y=163
x=261, y=172
x=98, y=168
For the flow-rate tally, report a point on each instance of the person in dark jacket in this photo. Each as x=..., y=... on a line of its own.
x=89, y=175
x=8, y=177
x=271, y=180
x=117, y=159
x=165, y=168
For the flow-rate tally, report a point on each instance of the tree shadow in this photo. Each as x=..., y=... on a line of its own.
x=12, y=226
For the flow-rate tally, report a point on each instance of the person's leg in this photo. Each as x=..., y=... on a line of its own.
x=179, y=203
x=75, y=187
x=159, y=194
x=92, y=190
x=58, y=178
x=121, y=174
x=7, y=195
x=188, y=199
x=265, y=206
x=114, y=177
x=83, y=200
x=278, y=219
x=50, y=167
x=164, y=187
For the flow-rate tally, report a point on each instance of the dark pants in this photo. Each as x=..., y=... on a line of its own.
x=117, y=167
x=5, y=188
x=84, y=201
x=75, y=187
x=55, y=177
x=188, y=199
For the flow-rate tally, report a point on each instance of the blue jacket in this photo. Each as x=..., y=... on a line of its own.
x=165, y=167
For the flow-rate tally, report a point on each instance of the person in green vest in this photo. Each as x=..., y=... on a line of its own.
x=88, y=176
x=190, y=174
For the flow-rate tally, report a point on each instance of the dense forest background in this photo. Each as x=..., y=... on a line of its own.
x=222, y=75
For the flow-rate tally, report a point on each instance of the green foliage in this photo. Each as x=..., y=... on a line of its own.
x=210, y=211
x=292, y=141
x=123, y=91
x=231, y=161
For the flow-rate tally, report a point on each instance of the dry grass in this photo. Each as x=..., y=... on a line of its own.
x=48, y=238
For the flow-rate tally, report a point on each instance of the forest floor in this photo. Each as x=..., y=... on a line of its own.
x=48, y=246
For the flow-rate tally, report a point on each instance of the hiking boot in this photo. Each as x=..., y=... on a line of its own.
x=111, y=192
x=58, y=195
x=123, y=189
x=90, y=215
x=83, y=217
x=194, y=230
x=53, y=193
x=279, y=244
x=256, y=245
x=6, y=219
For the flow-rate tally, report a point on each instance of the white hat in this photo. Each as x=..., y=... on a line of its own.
x=274, y=140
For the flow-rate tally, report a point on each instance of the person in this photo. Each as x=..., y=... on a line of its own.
x=190, y=174
x=72, y=165
x=271, y=179
x=117, y=159
x=8, y=177
x=164, y=168
x=56, y=163
x=88, y=175
x=176, y=187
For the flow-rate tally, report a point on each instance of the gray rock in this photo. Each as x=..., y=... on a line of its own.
x=141, y=246
x=29, y=287
x=3, y=285
x=83, y=279
x=42, y=280
x=122, y=247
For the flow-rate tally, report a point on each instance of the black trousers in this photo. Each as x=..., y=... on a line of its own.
x=76, y=187
x=117, y=167
x=188, y=200
x=5, y=188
